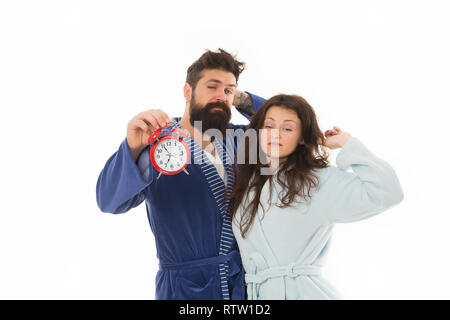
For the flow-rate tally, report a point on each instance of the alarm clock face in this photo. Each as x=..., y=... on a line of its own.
x=170, y=155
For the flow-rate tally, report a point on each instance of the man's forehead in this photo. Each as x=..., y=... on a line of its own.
x=218, y=76
x=212, y=80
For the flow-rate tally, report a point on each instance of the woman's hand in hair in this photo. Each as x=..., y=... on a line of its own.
x=336, y=138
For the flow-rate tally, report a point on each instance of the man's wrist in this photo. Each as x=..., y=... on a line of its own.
x=135, y=153
x=244, y=103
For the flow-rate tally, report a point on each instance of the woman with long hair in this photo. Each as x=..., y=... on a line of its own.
x=283, y=221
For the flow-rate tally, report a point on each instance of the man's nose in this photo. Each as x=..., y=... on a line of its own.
x=221, y=96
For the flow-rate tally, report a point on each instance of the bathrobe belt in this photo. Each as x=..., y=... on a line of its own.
x=259, y=272
x=233, y=258
x=292, y=270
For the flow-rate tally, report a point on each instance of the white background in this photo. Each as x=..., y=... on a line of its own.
x=73, y=73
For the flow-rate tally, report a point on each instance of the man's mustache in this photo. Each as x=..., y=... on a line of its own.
x=208, y=107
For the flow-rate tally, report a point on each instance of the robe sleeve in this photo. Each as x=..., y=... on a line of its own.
x=122, y=183
x=371, y=188
x=257, y=102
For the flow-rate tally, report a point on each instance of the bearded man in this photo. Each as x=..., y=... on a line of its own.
x=188, y=212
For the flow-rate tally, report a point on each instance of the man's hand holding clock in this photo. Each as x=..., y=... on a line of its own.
x=142, y=126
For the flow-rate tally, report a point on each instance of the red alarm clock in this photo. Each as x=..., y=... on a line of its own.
x=169, y=153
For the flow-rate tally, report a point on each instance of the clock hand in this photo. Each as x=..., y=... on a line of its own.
x=170, y=155
x=167, y=150
x=168, y=161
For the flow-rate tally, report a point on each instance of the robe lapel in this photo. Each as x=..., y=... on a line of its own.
x=217, y=187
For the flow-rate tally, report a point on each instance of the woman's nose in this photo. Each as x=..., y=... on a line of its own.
x=275, y=133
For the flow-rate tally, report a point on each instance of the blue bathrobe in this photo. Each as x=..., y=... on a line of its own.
x=197, y=252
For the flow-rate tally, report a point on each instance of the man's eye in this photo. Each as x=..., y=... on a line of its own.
x=211, y=87
x=228, y=91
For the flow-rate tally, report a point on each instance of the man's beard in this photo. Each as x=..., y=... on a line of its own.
x=210, y=119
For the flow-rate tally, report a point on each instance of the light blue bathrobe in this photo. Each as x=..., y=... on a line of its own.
x=283, y=251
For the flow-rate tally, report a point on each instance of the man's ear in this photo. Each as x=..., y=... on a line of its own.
x=187, y=91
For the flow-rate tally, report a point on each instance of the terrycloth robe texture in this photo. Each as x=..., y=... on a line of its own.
x=198, y=254
x=284, y=250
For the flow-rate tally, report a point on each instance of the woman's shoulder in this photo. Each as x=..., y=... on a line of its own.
x=327, y=173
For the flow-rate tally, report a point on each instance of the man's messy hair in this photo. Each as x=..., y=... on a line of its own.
x=219, y=59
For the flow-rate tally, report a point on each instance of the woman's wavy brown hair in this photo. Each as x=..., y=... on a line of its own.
x=297, y=171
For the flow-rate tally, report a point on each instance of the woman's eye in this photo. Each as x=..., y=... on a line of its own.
x=211, y=87
x=267, y=127
x=288, y=129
